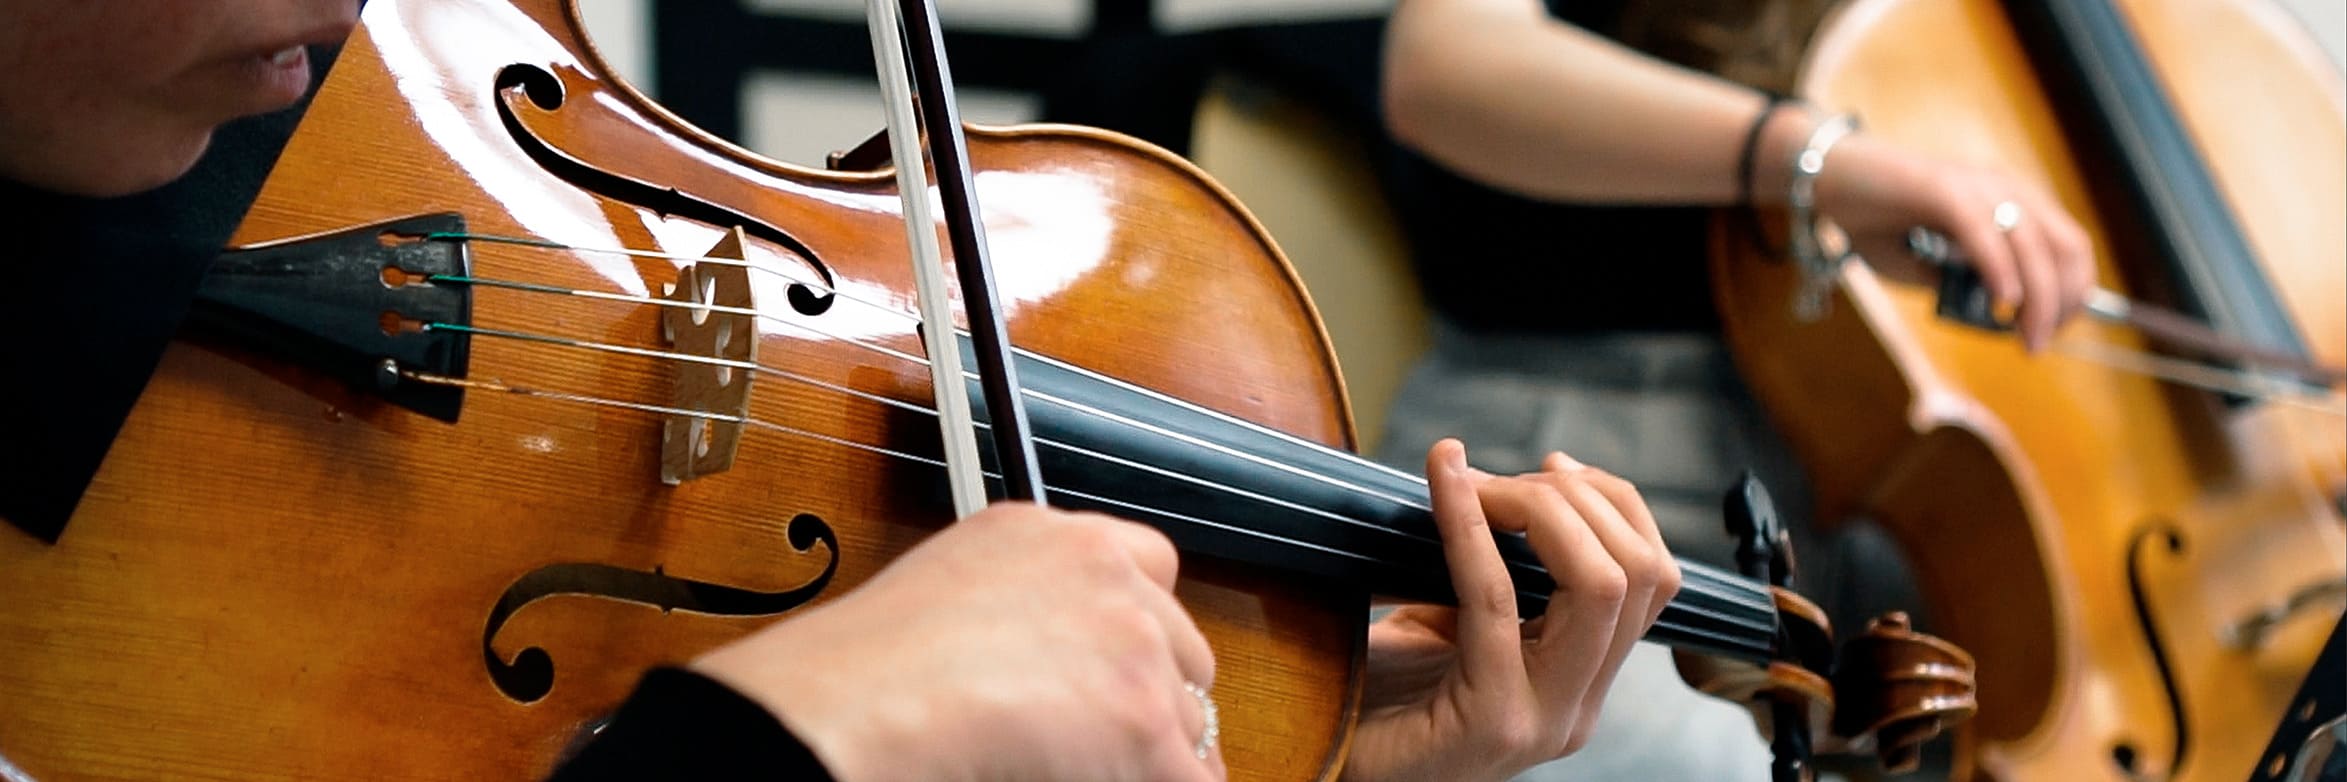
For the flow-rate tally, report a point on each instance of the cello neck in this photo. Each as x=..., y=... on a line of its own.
x=1226, y=488
x=2123, y=121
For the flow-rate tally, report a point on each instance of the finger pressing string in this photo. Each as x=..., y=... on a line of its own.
x=1490, y=653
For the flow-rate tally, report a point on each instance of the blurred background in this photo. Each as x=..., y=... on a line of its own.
x=1275, y=98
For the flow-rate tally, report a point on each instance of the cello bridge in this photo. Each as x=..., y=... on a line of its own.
x=718, y=356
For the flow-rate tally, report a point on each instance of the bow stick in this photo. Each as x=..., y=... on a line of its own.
x=1964, y=298
x=907, y=45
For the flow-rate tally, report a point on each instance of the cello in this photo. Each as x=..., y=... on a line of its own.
x=516, y=385
x=2169, y=557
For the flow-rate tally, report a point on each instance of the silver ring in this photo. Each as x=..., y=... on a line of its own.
x=1213, y=724
x=2007, y=216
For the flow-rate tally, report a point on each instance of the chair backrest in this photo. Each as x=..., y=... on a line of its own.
x=1313, y=188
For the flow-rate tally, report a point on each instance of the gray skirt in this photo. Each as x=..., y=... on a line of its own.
x=1665, y=411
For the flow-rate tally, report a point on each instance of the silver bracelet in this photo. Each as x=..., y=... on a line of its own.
x=1819, y=269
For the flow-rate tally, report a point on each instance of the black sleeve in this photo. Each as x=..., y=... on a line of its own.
x=682, y=725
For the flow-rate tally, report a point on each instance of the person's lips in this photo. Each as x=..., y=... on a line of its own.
x=267, y=77
x=285, y=74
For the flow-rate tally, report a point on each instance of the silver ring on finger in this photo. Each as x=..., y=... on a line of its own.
x=2006, y=215
x=1206, y=708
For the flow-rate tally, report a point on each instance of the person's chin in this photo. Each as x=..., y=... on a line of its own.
x=111, y=175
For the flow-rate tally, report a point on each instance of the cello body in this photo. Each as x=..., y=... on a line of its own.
x=276, y=577
x=2097, y=538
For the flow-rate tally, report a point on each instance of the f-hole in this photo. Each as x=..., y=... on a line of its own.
x=2156, y=536
x=530, y=675
x=543, y=90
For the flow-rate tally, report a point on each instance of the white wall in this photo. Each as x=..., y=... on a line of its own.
x=2328, y=20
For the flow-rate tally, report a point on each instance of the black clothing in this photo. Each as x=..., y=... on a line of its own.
x=1491, y=260
x=681, y=725
x=1495, y=262
x=1486, y=260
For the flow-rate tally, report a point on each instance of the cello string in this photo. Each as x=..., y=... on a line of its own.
x=1028, y=392
x=2186, y=373
x=1024, y=392
x=819, y=285
x=1698, y=576
x=889, y=310
x=1694, y=569
x=763, y=369
x=1700, y=580
x=655, y=301
x=661, y=354
x=885, y=309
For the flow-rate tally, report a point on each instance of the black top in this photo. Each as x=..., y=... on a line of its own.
x=1491, y=260
x=1486, y=259
x=1495, y=261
